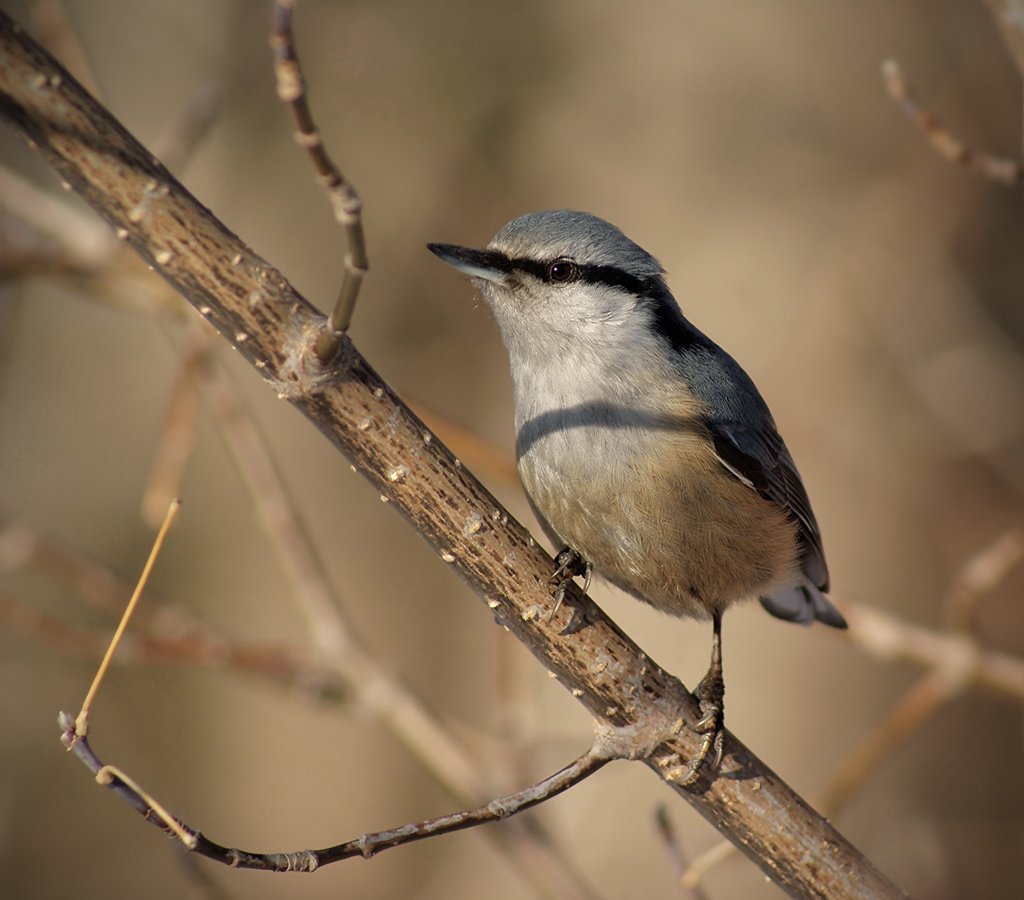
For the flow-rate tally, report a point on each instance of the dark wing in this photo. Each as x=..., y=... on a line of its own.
x=745, y=437
x=760, y=459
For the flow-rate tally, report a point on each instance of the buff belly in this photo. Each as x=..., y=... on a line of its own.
x=688, y=539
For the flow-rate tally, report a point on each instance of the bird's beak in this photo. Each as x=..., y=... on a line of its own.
x=487, y=265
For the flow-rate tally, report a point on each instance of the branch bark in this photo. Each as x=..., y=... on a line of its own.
x=252, y=305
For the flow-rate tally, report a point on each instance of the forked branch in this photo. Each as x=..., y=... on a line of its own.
x=366, y=845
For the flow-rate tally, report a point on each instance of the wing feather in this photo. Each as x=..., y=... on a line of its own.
x=761, y=460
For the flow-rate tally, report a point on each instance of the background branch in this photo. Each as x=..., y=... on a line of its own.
x=1008, y=16
x=1000, y=170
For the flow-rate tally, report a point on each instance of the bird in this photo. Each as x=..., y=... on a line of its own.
x=645, y=450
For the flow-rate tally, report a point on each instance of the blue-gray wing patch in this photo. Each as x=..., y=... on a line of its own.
x=761, y=461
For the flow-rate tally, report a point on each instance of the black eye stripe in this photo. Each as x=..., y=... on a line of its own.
x=665, y=316
x=589, y=273
x=613, y=277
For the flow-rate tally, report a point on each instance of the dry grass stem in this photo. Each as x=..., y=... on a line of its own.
x=82, y=721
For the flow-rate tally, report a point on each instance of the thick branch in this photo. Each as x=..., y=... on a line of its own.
x=274, y=328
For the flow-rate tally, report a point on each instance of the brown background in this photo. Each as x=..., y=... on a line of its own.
x=871, y=289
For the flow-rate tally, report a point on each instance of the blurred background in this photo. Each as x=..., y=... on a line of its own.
x=871, y=288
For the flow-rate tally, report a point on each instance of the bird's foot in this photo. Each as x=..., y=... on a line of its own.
x=568, y=564
x=710, y=694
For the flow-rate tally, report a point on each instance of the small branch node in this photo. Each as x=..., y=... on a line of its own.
x=301, y=861
x=68, y=730
x=347, y=209
x=498, y=808
x=635, y=741
x=364, y=844
x=288, y=77
x=310, y=140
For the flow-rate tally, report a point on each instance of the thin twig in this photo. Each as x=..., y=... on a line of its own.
x=886, y=637
x=998, y=169
x=18, y=260
x=951, y=670
x=328, y=631
x=291, y=88
x=52, y=23
x=177, y=440
x=365, y=846
x=1009, y=18
x=84, y=239
x=981, y=575
x=473, y=448
x=188, y=131
x=92, y=258
x=24, y=548
x=929, y=694
x=667, y=833
x=711, y=858
x=289, y=667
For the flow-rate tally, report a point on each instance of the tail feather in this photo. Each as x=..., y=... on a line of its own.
x=803, y=603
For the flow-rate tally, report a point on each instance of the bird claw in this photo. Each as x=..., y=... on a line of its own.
x=708, y=722
x=710, y=694
x=712, y=740
x=568, y=564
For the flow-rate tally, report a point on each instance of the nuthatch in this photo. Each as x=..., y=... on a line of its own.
x=645, y=450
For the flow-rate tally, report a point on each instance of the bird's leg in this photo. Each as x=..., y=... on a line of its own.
x=568, y=564
x=710, y=694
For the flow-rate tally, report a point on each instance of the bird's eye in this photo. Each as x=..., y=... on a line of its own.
x=563, y=270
